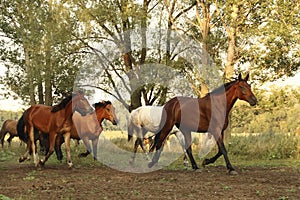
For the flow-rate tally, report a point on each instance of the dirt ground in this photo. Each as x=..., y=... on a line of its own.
x=23, y=181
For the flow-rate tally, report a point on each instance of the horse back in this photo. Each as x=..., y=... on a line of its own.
x=10, y=126
x=148, y=117
x=188, y=113
x=41, y=117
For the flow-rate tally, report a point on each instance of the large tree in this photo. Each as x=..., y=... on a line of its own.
x=38, y=49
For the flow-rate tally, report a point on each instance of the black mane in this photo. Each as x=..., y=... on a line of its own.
x=101, y=104
x=62, y=104
x=223, y=87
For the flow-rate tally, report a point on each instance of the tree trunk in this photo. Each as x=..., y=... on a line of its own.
x=48, y=75
x=231, y=51
x=30, y=76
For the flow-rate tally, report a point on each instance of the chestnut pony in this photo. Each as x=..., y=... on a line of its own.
x=53, y=120
x=89, y=128
x=207, y=114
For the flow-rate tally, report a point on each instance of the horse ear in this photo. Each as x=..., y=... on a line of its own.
x=240, y=77
x=247, y=77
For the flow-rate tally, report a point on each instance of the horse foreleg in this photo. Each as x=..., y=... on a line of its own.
x=27, y=153
x=58, y=142
x=68, y=149
x=87, y=145
x=211, y=160
x=181, y=140
x=95, y=149
x=222, y=151
x=188, y=147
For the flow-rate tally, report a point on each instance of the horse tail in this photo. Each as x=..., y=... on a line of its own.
x=21, y=129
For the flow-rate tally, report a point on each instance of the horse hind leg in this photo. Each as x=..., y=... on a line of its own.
x=52, y=137
x=33, y=147
x=159, y=143
x=9, y=140
x=136, y=144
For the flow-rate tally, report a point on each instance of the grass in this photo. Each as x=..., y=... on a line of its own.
x=253, y=150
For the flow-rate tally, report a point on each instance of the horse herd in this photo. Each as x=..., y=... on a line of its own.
x=75, y=118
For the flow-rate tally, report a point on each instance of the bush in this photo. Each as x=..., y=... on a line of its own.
x=265, y=146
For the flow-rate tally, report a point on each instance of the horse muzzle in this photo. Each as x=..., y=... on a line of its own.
x=115, y=122
x=252, y=101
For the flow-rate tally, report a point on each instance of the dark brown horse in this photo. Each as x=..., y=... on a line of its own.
x=52, y=120
x=207, y=114
x=8, y=126
x=89, y=128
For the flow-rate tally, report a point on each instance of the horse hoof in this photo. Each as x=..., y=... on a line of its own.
x=70, y=165
x=233, y=172
x=198, y=170
x=205, y=162
x=151, y=164
x=41, y=163
x=21, y=159
x=131, y=162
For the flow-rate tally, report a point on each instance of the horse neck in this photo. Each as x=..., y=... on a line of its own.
x=68, y=110
x=100, y=115
x=231, y=98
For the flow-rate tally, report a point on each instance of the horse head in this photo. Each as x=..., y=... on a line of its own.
x=105, y=110
x=243, y=90
x=81, y=104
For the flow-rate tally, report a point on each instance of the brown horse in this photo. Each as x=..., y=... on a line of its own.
x=8, y=126
x=207, y=114
x=89, y=128
x=52, y=120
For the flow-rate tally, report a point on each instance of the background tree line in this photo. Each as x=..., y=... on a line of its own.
x=45, y=43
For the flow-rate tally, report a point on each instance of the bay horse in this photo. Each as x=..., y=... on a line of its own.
x=89, y=127
x=8, y=126
x=207, y=114
x=144, y=119
x=53, y=120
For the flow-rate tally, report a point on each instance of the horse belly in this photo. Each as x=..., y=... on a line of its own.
x=193, y=121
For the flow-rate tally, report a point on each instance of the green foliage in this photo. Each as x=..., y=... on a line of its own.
x=3, y=197
x=267, y=146
x=277, y=112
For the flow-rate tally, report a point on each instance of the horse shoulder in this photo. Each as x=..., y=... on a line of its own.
x=86, y=125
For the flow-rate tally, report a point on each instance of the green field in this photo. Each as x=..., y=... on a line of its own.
x=252, y=150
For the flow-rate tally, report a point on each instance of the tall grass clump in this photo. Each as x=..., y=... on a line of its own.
x=265, y=146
